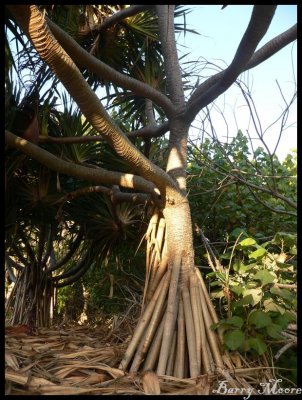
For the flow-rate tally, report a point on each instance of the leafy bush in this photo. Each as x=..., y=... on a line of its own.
x=255, y=291
x=221, y=201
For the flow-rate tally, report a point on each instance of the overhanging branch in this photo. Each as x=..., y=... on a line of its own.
x=119, y=16
x=95, y=175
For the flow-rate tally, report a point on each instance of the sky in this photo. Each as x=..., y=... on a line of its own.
x=220, y=34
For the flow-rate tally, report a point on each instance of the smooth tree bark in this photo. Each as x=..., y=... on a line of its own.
x=174, y=335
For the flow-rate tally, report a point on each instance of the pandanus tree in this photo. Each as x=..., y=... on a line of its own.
x=56, y=228
x=173, y=335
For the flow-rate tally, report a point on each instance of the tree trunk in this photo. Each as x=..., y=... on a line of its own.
x=31, y=299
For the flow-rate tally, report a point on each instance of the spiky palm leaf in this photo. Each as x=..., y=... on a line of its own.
x=107, y=224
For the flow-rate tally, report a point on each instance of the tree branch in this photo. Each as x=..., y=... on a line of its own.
x=84, y=266
x=150, y=131
x=173, y=72
x=72, y=270
x=49, y=246
x=102, y=70
x=95, y=175
x=72, y=249
x=115, y=195
x=70, y=140
x=272, y=47
x=29, y=249
x=18, y=253
x=243, y=60
x=269, y=49
x=120, y=15
x=267, y=206
x=10, y=264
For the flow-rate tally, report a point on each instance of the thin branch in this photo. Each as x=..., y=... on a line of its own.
x=286, y=286
x=213, y=190
x=253, y=113
x=75, y=277
x=70, y=140
x=73, y=270
x=72, y=249
x=119, y=16
x=150, y=131
x=285, y=348
x=284, y=115
x=269, y=207
x=116, y=196
x=271, y=192
x=239, y=178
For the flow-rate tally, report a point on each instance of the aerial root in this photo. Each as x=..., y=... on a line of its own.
x=174, y=335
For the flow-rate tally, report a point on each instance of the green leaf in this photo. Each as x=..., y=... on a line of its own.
x=226, y=256
x=217, y=295
x=252, y=285
x=256, y=295
x=237, y=290
x=236, y=265
x=237, y=231
x=235, y=321
x=265, y=277
x=221, y=276
x=274, y=330
x=283, y=265
x=283, y=238
x=284, y=293
x=270, y=305
x=243, y=302
x=285, y=319
x=234, y=339
x=257, y=344
x=244, y=268
x=258, y=253
x=215, y=283
x=247, y=242
x=259, y=318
